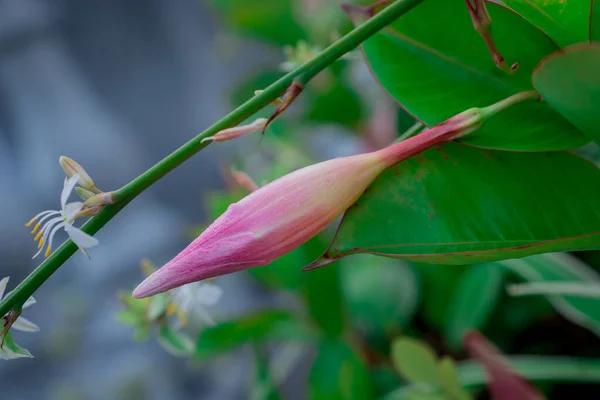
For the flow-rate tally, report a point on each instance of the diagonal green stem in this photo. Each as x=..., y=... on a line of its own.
x=123, y=196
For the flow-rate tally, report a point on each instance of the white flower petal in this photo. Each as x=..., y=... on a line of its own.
x=71, y=210
x=204, y=315
x=67, y=189
x=25, y=325
x=208, y=294
x=80, y=238
x=3, y=284
x=30, y=301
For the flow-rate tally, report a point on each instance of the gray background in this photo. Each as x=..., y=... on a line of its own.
x=116, y=85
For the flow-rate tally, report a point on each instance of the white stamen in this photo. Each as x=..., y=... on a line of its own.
x=50, y=213
x=44, y=213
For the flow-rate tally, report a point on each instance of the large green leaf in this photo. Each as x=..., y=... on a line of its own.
x=460, y=205
x=414, y=360
x=434, y=63
x=595, y=21
x=270, y=20
x=262, y=326
x=474, y=300
x=566, y=22
x=584, y=311
x=569, y=80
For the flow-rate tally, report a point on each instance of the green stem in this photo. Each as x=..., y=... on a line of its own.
x=128, y=192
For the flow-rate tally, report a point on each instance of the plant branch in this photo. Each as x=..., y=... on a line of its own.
x=16, y=298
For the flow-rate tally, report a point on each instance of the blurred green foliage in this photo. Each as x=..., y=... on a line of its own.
x=393, y=329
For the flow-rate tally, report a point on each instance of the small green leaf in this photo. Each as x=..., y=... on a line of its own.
x=478, y=292
x=158, y=306
x=569, y=81
x=10, y=349
x=262, y=326
x=176, y=343
x=414, y=360
x=584, y=311
x=566, y=22
x=460, y=205
x=448, y=380
x=338, y=373
x=436, y=65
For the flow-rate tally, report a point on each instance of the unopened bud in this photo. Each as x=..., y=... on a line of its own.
x=242, y=179
x=84, y=194
x=71, y=167
x=100, y=199
x=237, y=131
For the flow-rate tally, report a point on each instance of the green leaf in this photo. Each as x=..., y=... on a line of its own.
x=270, y=20
x=262, y=326
x=474, y=300
x=461, y=205
x=323, y=295
x=322, y=292
x=448, y=380
x=437, y=67
x=570, y=82
x=584, y=311
x=338, y=373
x=595, y=21
x=414, y=360
x=174, y=342
x=10, y=349
x=382, y=295
x=439, y=283
x=566, y=22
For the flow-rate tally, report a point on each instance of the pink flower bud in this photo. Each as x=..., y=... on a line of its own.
x=284, y=214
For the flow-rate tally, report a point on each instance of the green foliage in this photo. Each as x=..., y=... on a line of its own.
x=432, y=378
x=566, y=22
x=570, y=82
x=438, y=67
x=476, y=295
x=269, y=20
x=451, y=213
x=382, y=296
x=338, y=373
x=259, y=327
x=414, y=360
x=584, y=311
x=466, y=212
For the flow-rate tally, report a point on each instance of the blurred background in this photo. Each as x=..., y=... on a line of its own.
x=117, y=85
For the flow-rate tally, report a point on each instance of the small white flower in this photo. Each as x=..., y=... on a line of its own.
x=8, y=348
x=196, y=297
x=63, y=218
